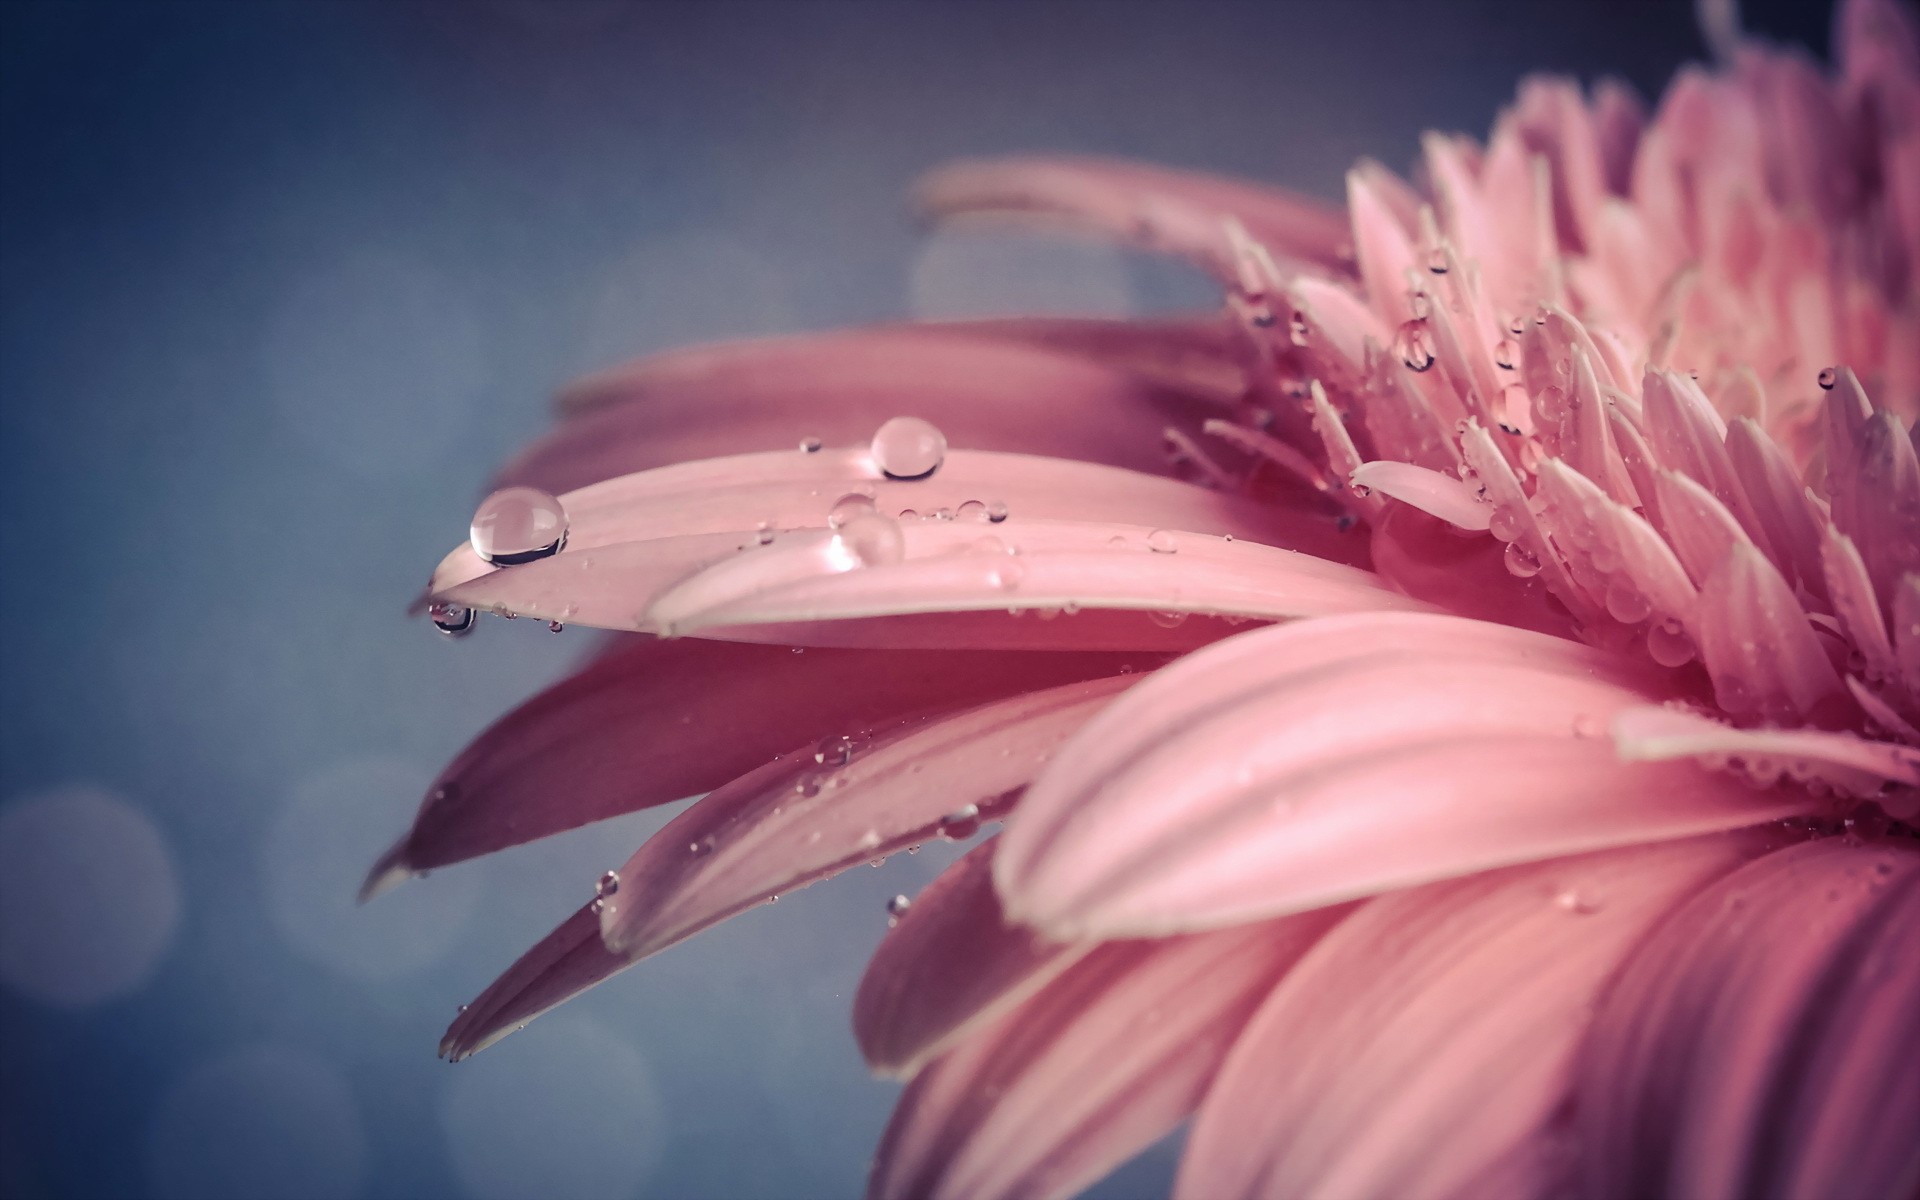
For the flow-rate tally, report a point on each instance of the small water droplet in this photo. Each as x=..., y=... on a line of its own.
x=1414, y=344
x=897, y=908
x=847, y=507
x=941, y=514
x=810, y=445
x=1297, y=331
x=872, y=540
x=1668, y=644
x=971, y=510
x=908, y=448
x=517, y=525
x=454, y=620
x=1437, y=261
x=961, y=823
x=555, y=626
x=807, y=785
x=1829, y=378
x=1506, y=353
x=608, y=884
x=834, y=751
x=1007, y=572
x=996, y=511
x=764, y=536
x=1522, y=563
x=1577, y=902
x=1626, y=603
x=1161, y=541
x=1167, y=620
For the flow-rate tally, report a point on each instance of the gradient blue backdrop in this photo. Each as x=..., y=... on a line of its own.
x=279, y=283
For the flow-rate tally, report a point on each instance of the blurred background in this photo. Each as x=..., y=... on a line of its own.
x=279, y=284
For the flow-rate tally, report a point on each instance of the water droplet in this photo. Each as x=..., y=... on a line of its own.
x=807, y=785
x=940, y=514
x=1007, y=573
x=847, y=507
x=961, y=823
x=996, y=511
x=607, y=885
x=1160, y=541
x=872, y=540
x=1506, y=353
x=810, y=445
x=1668, y=644
x=909, y=448
x=1437, y=261
x=1577, y=902
x=1420, y=304
x=1829, y=378
x=764, y=535
x=1297, y=329
x=454, y=620
x=1414, y=344
x=1168, y=620
x=1522, y=563
x=834, y=751
x=897, y=908
x=517, y=525
x=703, y=846
x=971, y=510
x=1626, y=603
x=555, y=626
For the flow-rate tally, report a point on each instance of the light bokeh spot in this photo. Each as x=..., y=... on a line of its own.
x=89, y=899
x=265, y=1121
x=567, y=1108
x=316, y=853
x=978, y=273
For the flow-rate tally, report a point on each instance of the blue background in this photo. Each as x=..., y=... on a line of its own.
x=279, y=284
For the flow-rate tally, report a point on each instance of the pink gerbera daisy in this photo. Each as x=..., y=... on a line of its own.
x=1555, y=829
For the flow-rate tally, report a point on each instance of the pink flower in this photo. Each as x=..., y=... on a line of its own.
x=1556, y=830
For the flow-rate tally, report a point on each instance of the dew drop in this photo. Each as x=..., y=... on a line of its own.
x=607, y=885
x=764, y=535
x=996, y=511
x=1627, y=604
x=1008, y=573
x=897, y=908
x=1506, y=353
x=518, y=525
x=961, y=823
x=1829, y=377
x=1168, y=620
x=872, y=540
x=1522, y=563
x=909, y=448
x=807, y=785
x=454, y=620
x=555, y=626
x=810, y=445
x=847, y=507
x=834, y=751
x=1160, y=541
x=1576, y=902
x=1437, y=261
x=1297, y=329
x=1668, y=644
x=1414, y=344
x=1504, y=523
x=971, y=510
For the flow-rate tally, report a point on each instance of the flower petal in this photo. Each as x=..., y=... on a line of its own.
x=1854, y=765
x=560, y=966
x=816, y=811
x=1762, y=1041
x=1177, y=211
x=1089, y=1071
x=1300, y=766
x=661, y=721
x=1434, y=1032
x=953, y=963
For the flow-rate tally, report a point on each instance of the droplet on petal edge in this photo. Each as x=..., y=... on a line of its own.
x=454, y=620
x=518, y=525
x=908, y=448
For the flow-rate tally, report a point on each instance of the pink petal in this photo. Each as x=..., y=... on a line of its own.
x=1081, y=1076
x=1433, y=1034
x=816, y=811
x=952, y=964
x=1429, y=491
x=661, y=721
x=1176, y=211
x=1857, y=765
x=1757, y=645
x=1762, y=1040
x=986, y=392
x=563, y=964
x=1779, y=501
x=1305, y=765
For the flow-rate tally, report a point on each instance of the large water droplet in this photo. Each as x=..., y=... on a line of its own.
x=1160, y=541
x=1414, y=344
x=961, y=823
x=1626, y=603
x=847, y=507
x=1522, y=563
x=454, y=620
x=897, y=908
x=517, y=525
x=909, y=448
x=834, y=751
x=996, y=511
x=1669, y=645
x=1829, y=377
x=608, y=884
x=872, y=540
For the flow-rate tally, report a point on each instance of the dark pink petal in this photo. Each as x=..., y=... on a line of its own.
x=563, y=964
x=1323, y=761
x=1433, y=1034
x=953, y=963
x=1762, y=1041
x=1087, y=1072
x=854, y=796
x=1176, y=211
x=661, y=721
x=1031, y=393
x=1757, y=645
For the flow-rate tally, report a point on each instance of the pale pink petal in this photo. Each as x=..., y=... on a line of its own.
x=854, y=796
x=1855, y=604
x=1021, y=565
x=1429, y=491
x=560, y=966
x=1301, y=766
x=1852, y=764
x=1779, y=502
x=1906, y=632
x=1382, y=245
x=1434, y=1033
x=1176, y=211
x=1762, y=1041
x=1092, y=1069
x=951, y=964
x=1760, y=650
x=1468, y=576
x=987, y=393
x=661, y=721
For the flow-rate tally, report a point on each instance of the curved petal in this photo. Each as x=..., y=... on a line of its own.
x=1310, y=767
x=855, y=796
x=559, y=967
x=1180, y=212
x=1762, y=1041
x=1087, y=1072
x=661, y=721
x=1433, y=1033
x=953, y=963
